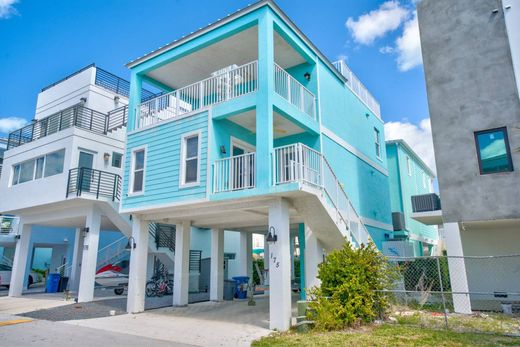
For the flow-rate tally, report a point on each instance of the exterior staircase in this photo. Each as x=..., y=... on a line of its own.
x=326, y=208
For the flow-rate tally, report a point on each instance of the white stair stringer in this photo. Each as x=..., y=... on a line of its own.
x=124, y=224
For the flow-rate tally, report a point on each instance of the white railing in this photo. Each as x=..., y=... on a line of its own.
x=9, y=225
x=6, y=261
x=112, y=252
x=299, y=163
x=358, y=88
x=219, y=88
x=293, y=91
x=234, y=173
x=64, y=270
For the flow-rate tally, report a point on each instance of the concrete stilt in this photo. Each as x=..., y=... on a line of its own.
x=280, y=267
x=20, y=260
x=181, y=275
x=457, y=267
x=217, y=265
x=89, y=257
x=138, y=266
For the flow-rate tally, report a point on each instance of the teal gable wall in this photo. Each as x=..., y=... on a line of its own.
x=163, y=162
x=366, y=186
x=404, y=186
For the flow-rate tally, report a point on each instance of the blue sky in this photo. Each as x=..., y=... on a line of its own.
x=42, y=41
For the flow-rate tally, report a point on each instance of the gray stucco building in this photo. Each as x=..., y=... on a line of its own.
x=471, y=54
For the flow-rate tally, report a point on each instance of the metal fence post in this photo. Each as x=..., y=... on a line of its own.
x=442, y=293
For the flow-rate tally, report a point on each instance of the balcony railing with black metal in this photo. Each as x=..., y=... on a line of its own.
x=75, y=116
x=426, y=203
x=100, y=184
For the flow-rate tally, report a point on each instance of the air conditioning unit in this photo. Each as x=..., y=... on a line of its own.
x=398, y=221
x=426, y=202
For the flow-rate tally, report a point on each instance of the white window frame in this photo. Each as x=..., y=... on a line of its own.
x=132, y=167
x=377, y=142
x=35, y=160
x=182, y=166
x=408, y=165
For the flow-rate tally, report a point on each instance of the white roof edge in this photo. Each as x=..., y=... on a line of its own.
x=407, y=146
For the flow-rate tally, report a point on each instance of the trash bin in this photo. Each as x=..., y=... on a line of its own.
x=229, y=289
x=53, y=281
x=241, y=286
x=62, y=286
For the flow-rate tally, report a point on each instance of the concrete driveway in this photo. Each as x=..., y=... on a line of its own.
x=203, y=324
x=227, y=323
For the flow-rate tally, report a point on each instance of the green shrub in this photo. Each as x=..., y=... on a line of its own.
x=351, y=284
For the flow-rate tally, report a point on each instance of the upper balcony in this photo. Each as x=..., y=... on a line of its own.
x=75, y=116
x=358, y=88
x=224, y=85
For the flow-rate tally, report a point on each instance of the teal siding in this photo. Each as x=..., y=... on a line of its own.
x=378, y=235
x=403, y=186
x=367, y=188
x=163, y=162
x=344, y=113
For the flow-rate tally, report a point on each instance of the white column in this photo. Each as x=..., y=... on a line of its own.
x=89, y=257
x=293, y=275
x=457, y=267
x=181, y=274
x=249, y=256
x=266, y=261
x=76, y=256
x=280, y=267
x=138, y=266
x=20, y=260
x=217, y=265
x=313, y=257
x=245, y=254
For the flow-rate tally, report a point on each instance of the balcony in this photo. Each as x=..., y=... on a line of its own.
x=223, y=86
x=234, y=173
x=100, y=184
x=74, y=116
x=427, y=209
x=293, y=91
x=358, y=88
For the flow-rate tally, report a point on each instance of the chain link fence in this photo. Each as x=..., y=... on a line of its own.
x=472, y=294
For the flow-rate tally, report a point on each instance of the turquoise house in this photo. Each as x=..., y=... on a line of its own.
x=254, y=131
x=409, y=176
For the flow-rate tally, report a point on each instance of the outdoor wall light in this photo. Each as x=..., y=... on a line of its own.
x=83, y=100
x=222, y=149
x=307, y=76
x=271, y=235
x=131, y=244
x=106, y=156
x=85, y=230
x=17, y=236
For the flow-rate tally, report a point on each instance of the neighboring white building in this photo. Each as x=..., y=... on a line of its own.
x=64, y=170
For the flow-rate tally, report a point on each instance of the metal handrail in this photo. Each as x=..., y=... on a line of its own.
x=95, y=182
x=293, y=91
x=9, y=225
x=209, y=91
x=300, y=163
x=234, y=173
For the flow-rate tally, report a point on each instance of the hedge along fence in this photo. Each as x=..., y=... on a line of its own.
x=424, y=274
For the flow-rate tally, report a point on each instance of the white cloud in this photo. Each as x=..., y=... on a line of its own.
x=9, y=124
x=419, y=137
x=7, y=9
x=408, y=46
x=377, y=23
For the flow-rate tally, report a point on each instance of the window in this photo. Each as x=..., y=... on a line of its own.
x=117, y=159
x=54, y=163
x=138, y=171
x=377, y=142
x=409, y=166
x=190, y=160
x=493, y=151
x=48, y=165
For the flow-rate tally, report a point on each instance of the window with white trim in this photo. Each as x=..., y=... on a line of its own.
x=190, y=159
x=409, y=166
x=45, y=166
x=377, y=140
x=138, y=160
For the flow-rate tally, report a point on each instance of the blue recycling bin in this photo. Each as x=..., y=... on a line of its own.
x=241, y=286
x=53, y=281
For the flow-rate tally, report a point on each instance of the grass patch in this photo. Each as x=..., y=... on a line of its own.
x=386, y=335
